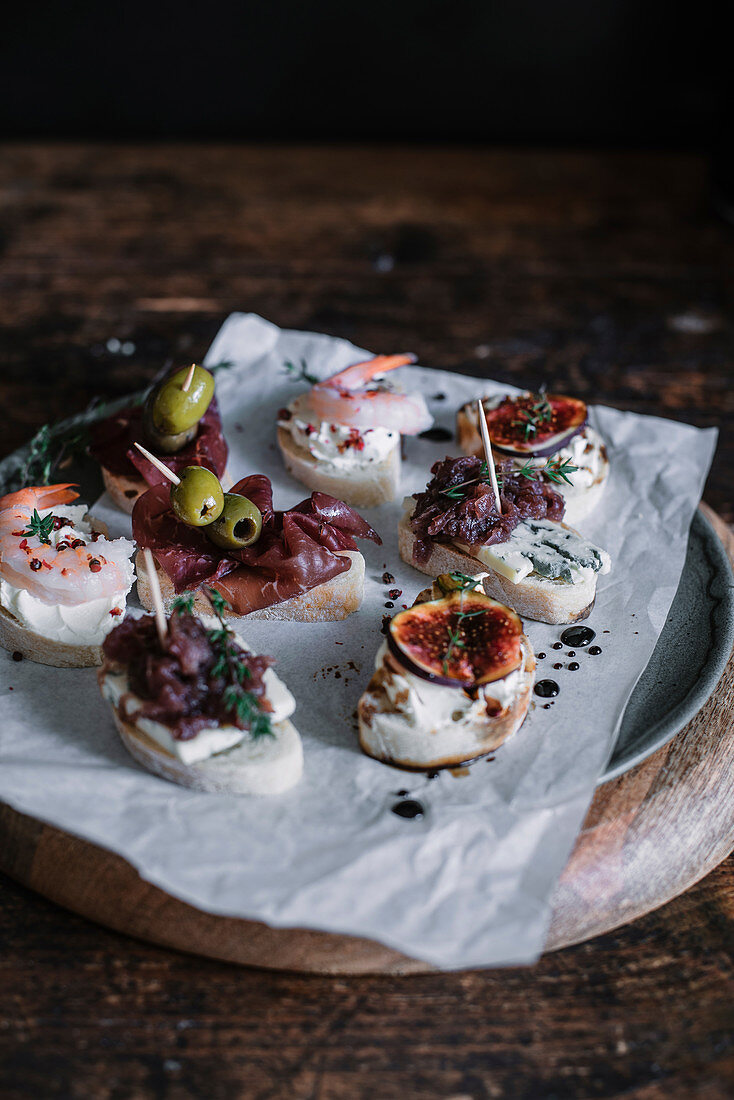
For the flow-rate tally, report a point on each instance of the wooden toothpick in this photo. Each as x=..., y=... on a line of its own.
x=155, y=591
x=189, y=378
x=173, y=478
x=488, y=453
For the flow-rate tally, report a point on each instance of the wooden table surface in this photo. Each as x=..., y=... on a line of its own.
x=604, y=274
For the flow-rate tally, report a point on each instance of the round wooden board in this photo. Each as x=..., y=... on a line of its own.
x=648, y=836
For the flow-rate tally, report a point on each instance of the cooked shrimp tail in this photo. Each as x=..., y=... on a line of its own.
x=359, y=374
x=42, y=496
x=347, y=398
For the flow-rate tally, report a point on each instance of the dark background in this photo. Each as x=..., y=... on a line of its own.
x=602, y=72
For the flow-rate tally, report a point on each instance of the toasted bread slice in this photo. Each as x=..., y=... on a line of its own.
x=447, y=744
x=268, y=766
x=17, y=638
x=579, y=501
x=365, y=486
x=336, y=599
x=534, y=597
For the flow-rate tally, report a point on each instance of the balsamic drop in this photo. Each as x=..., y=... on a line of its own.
x=437, y=435
x=578, y=636
x=546, y=688
x=595, y=650
x=571, y=653
x=409, y=808
x=539, y=656
x=573, y=666
x=558, y=664
x=557, y=645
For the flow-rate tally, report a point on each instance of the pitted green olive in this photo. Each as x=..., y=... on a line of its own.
x=175, y=410
x=198, y=499
x=165, y=444
x=238, y=526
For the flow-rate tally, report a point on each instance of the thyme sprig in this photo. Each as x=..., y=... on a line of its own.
x=539, y=413
x=456, y=492
x=300, y=373
x=455, y=641
x=229, y=666
x=42, y=528
x=555, y=471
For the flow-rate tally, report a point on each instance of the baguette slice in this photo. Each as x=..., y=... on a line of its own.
x=579, y=502
x=17, y=638
x=364, y=487
x=383, y=736
x=124, y=491
x=534, y=597
x=266, y=767
x=328, y=602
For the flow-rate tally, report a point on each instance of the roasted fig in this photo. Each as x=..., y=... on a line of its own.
x=535, y=424
x=465, y=639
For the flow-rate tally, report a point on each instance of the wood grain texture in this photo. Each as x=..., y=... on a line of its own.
x=604, y=273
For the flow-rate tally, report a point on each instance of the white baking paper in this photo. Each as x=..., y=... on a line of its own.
x=469, y=884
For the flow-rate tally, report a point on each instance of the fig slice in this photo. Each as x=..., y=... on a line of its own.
x=464, y=639
x=535, y=424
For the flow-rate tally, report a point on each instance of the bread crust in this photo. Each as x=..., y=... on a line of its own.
x=376, y=739
x=123, y=490
x=537, y=598
x=328, y=602
x=17, y=638
x=223, y=773
x=374, y=484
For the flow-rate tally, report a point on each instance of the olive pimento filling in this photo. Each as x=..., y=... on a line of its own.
x=458, y=504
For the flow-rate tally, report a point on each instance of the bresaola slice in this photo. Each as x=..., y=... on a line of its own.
x=464, y=640
x=296, y=551
x=535, y=424
x=113, y=439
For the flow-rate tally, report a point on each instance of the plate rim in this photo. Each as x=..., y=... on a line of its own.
x=676, y=719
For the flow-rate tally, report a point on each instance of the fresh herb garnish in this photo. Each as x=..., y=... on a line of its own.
x=455, y=641
x=555, y=470
x=558, y=471
x=300, y=373
x=183, y=604
x=456, y=492
x=229, y=666
x=539, y=413
x=40, y=527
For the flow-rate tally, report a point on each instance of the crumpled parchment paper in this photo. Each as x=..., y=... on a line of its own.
x=469, y=884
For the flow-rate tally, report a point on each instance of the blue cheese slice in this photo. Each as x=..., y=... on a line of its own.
x=545, y=548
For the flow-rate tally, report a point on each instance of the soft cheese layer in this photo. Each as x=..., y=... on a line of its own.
x=86, y=623
x=545, y=548
x=337, y=445
x=207, y=742
x=429, y=707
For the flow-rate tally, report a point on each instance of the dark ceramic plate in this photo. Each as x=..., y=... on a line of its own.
x=689, y=658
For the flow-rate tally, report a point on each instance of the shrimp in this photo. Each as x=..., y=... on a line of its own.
x=346, y=399
x=64, y=570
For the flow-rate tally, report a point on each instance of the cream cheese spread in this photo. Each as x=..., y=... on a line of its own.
x=429, y=707
x=337, y=445
x=207, y=742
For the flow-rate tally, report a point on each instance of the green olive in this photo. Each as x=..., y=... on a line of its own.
x=238, y=526
x=174, y=410
x=158, y=441
x=198, y=499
